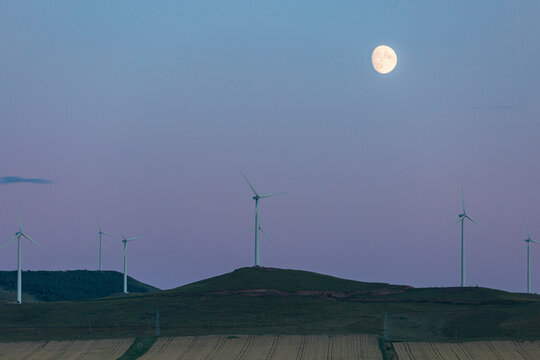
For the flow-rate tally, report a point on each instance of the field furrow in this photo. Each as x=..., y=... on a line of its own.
x=362, y=347
x=286, y=347
x=202, y=348
x=315, y=347
x=169, y=348
x=260, y=348
x=16, y=351
x=230, y=348
x=368, y=347
x=107, y=349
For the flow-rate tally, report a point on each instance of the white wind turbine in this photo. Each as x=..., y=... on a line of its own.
x=125, y=241
x=528, y=240
x=100, y=234
x=461, y=220
x=258, y=227
x=18, y=236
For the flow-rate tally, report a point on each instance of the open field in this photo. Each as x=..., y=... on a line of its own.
x=477, y=350
x=266, y=347
x=65, y=350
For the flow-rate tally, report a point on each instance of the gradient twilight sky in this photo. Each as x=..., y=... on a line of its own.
x=142, y=113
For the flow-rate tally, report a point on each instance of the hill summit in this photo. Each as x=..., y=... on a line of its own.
x=267, y=281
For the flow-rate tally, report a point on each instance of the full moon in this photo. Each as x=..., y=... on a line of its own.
x=384, y=59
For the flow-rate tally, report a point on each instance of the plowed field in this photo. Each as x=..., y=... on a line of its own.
x=266, y=347
x=107, y=349
x=476, y=350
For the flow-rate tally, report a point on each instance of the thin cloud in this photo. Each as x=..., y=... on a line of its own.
x=17, y=179
x=504, y=107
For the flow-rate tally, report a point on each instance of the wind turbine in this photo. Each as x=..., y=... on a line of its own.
x=18, y=236
x=528, y=240
x=100, y=233
x=461, y=220
x=125, y=241
x=258, y=227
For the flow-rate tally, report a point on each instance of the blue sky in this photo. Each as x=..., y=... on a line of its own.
x=141, y=114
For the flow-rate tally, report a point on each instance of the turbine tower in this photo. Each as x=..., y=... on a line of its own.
x=125, y=241
x=462, y=217
x=18, y=236
x=258, y=227
x=100, y=233
x=528, y=240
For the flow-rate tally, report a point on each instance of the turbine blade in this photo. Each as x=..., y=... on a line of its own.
x=265, y=233
x=251, y=186
x=477, y=223
x=534, y=241
x=122, y=235
x=451, y=226
x=134, y=238
x=525, y=223
x=270, y=195
x=99, y=227
x=28, y=237
x=462, y=197
x=8, y=242
x=106, y=233
x=20, y=215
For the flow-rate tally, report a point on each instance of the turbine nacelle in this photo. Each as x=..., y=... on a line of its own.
x=125, y=239
x=528, y=240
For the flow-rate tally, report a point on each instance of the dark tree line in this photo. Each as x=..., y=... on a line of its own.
x=70, y=285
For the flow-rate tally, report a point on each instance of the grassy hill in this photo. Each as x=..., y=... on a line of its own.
x=67, y=285
x=286, y=281
x=277, y=301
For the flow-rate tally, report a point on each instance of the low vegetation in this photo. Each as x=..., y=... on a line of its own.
x=259, y=301
x=139, y=347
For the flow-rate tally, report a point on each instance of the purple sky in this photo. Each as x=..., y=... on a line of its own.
x=142, y=114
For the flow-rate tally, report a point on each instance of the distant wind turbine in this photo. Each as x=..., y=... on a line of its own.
x=100, y=233
x=18, y=236
x=461, y=220
x=125, y=241
x=258, y=227
x=528, y=240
